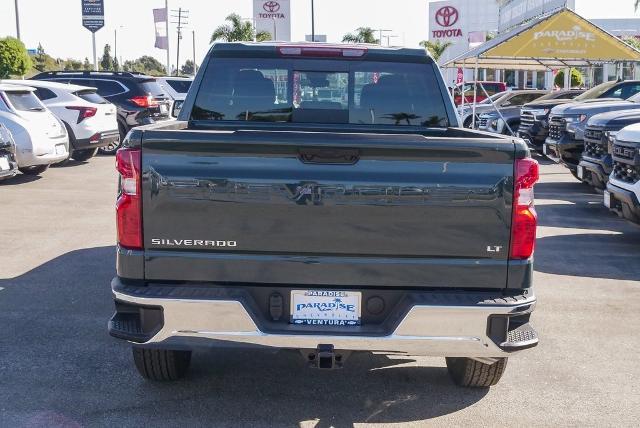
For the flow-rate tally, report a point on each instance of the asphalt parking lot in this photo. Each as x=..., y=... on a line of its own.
x=59, y=367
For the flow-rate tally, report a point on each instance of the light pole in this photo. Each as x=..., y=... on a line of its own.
x=17, y=21
x=115, y=45
x=313, y=23
x=275, y=29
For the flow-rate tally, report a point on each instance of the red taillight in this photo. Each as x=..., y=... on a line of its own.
x=322, y=51
x=144, y=101
x=83, y=112
x=525, y=220
x=129, y=204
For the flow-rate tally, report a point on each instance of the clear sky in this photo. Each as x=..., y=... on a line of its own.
x=57, y=23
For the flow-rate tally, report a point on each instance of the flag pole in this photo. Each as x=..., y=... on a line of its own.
x=166, y=8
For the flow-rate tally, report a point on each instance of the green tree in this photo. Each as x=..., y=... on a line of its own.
x=632, y=41
x=188, y=68
x=14, y=59
x=43, y=61
x=362, y=35
x=86, y=65
x=106, y=62
x=238, y=31
x=72, y=65
x=145, y=64
x=576, y=78
x=435, y=49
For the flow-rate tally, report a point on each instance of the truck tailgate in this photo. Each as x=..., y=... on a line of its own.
x=326, y=209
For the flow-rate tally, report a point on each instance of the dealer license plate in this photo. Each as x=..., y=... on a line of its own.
x=607, y=199
x=325, y=307
x=4, y=163
x=60, y=149
x=580, y=172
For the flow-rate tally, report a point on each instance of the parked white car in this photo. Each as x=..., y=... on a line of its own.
x=175, y=87
x=41, y=138
x=91, y=121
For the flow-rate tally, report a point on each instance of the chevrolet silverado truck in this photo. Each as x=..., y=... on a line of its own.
x=534, y=119
x=265, y=217
x=622, y=195
x=596, y=163
x=567, y=124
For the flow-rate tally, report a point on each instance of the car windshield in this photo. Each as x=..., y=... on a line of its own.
x=180, y=86
x=320, y=91
x=24, y=101
x=91, y=96
x=492, y=98
x=596, y=91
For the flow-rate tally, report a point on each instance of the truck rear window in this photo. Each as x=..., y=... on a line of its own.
x=320, y=91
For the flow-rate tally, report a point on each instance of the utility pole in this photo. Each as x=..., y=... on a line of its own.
x=182, y=16
x=195, y=67
x=17, y=21
x=166, y=9
x=115, y=45
x=313, y=23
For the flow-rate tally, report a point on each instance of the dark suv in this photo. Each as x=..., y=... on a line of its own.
x=140, y=100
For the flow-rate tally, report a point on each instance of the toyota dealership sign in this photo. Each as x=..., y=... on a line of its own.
x=446, y=18
x=274, y=17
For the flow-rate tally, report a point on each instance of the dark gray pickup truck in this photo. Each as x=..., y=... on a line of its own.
x=322, y=198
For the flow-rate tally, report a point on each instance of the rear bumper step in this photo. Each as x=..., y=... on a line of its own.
x=436, y=325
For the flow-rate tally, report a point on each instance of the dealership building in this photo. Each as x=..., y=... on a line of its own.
x=468, y=23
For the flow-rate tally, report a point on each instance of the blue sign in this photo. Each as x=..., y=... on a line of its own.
x=92, y=14
x=32, y=51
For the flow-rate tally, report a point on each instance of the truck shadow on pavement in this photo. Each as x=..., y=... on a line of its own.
x=59, y=367
x=578, y=235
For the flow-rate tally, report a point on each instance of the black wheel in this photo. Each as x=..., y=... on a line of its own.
x=161, y=364
x=514, y=127
x=83, y=155
x=34, y=170
x=474, y=374
x=113, y=147
x=467, y=122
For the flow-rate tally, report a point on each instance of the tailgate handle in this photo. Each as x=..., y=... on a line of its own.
x=329, y=156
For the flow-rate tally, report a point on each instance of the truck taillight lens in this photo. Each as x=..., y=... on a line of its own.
x=525, y=219
x=129, y=204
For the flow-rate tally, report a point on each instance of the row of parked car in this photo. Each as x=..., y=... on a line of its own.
x=56, y=116
x=594, y=133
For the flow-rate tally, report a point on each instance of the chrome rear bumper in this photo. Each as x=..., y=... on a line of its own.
x=429, y=330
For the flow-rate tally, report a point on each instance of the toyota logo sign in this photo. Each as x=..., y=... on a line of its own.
x=273, y=6
x=446, y=16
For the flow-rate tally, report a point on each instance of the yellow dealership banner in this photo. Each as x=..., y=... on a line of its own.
x=564, y=35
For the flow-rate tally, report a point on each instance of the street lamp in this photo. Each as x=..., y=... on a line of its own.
x=17, y=20
x=115, y=45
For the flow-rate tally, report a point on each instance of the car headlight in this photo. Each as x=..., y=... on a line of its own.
x=582, y=118
x=540, y=112
x=611, y=135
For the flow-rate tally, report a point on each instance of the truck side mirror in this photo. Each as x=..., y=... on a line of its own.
x=177, y=107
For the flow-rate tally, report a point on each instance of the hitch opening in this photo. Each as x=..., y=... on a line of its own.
x=324, y=357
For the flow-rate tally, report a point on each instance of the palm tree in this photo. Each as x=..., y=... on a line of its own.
x=362, y=35
x=435, y=49
x=637, y=4
x=238, y=31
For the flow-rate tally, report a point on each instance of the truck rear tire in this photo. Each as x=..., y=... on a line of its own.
x=161, y=364
x=474, y=374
